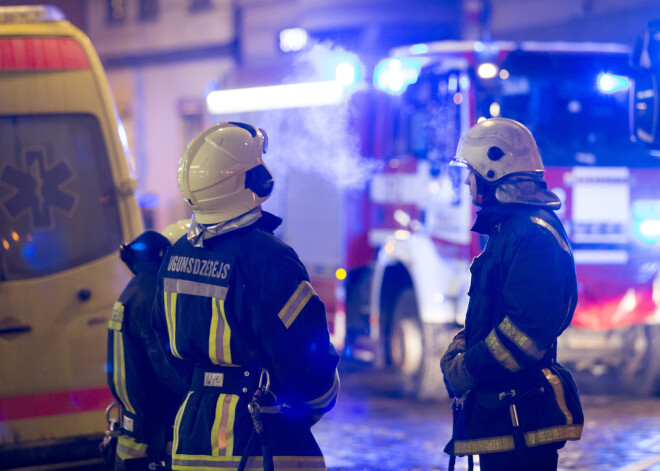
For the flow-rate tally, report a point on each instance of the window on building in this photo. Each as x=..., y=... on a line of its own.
x=148, y=10
x=116, y=11
x=195, y=6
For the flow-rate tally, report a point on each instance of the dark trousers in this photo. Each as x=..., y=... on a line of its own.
x=542, y=458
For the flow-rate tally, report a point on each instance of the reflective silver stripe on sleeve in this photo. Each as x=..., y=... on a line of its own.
x=325, y=400
x=500, y=352
x=195, y=288
x=520, y=338
x=560, y=240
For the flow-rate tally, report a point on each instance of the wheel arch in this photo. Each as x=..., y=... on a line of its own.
x=439, y=283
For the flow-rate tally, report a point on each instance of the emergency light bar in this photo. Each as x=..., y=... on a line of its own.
x=41, y=53
x=274, y=97
x=394, y=75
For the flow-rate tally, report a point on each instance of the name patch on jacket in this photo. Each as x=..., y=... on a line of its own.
x=199, y=267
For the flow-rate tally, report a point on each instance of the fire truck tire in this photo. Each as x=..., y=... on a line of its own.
x=414, y=353
x=641, y=372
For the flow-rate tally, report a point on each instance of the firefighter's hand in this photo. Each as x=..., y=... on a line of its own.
x=456, y=375
x=456, y=346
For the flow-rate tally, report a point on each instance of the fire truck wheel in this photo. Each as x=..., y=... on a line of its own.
x=641, y=372
x=413, y=351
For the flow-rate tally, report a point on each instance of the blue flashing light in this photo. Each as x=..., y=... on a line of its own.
x=610, y=83
x=395, y=75
x=139, y=246
x=148, y=200
x=38, y=250
x=341, y=66
x=349, y=72
x=646, y=221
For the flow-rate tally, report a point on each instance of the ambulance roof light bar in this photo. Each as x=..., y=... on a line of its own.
x=30, y=14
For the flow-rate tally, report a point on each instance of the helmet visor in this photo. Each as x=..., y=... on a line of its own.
x=458, y=162
x=265, y=138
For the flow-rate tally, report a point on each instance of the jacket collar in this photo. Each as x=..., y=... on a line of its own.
x=198, y=233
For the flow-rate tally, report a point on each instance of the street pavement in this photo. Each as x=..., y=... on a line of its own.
x=371, y=428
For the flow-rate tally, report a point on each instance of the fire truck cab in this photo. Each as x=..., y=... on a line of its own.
x=574, y=98
x=66, y=204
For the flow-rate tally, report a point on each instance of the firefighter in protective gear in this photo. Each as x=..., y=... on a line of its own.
x=139, y=376
x=514, y=404
x=244, y=326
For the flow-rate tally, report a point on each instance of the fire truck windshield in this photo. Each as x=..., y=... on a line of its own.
x=578, y=115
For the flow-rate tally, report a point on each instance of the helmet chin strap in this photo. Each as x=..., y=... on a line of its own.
x=485, y=190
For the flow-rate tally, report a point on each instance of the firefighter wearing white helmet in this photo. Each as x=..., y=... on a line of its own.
x=222, y=174
x=139, y=377
x=245, y=328
x=176, y=230
x=504, y=157
x=515, y=405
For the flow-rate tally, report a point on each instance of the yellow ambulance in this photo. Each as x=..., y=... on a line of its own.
x=66, y=204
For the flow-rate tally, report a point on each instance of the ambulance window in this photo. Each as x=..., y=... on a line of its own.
x=57, y=204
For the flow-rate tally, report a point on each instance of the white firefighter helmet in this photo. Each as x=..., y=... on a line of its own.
x=176, y=230
x=497, y=147
x=222, y=173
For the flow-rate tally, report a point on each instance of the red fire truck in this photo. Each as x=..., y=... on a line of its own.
x=399, y=239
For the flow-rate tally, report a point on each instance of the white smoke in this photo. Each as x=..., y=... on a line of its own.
x=317, y=139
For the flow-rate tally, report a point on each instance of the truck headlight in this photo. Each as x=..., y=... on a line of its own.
x=646, y=221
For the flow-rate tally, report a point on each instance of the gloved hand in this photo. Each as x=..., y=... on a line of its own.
x=456, y=346
x=456, y=375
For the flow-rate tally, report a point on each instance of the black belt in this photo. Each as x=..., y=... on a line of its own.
x=237, y=380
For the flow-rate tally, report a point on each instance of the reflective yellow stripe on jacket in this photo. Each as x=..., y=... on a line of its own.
x=204, y=463
x=559, y=433
x=222, y=433
x=128, y=448
x=523, y=341
x=115, y=326
x=296, y=303
x=501, y=353
x=519, y=338
x=219, y=332
x=324, y=400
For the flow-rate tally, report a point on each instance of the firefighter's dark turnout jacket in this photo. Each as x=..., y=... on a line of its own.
x=245, y=299
x=522, y=296
x=149, y=406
